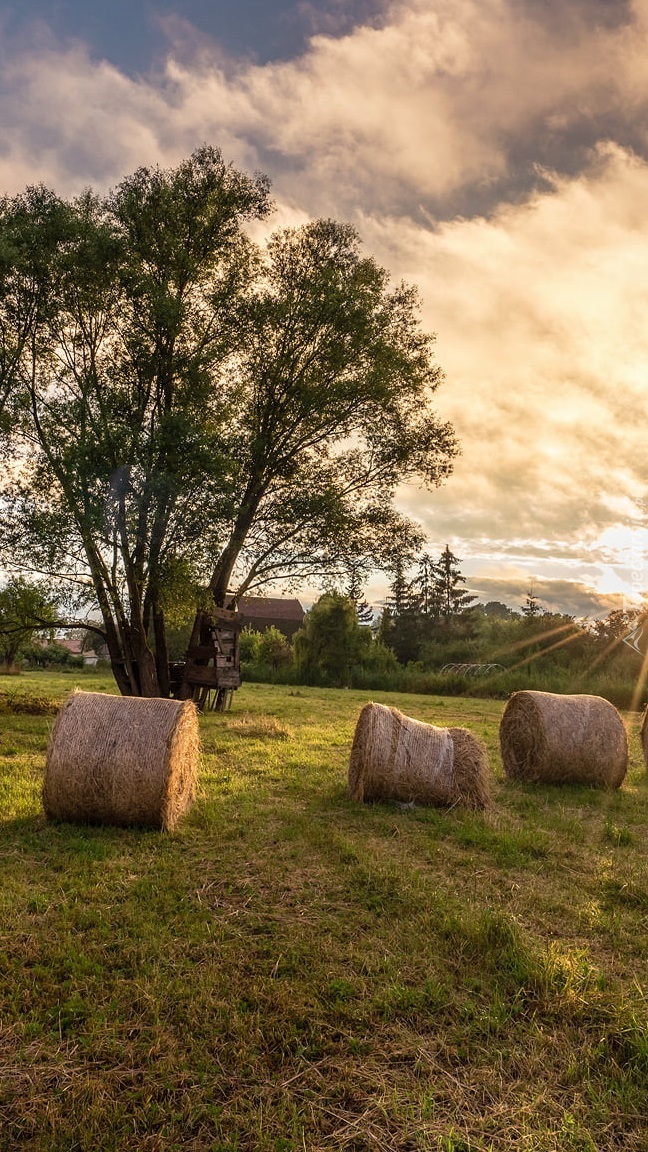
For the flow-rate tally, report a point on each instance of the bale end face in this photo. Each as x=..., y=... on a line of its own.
x=550, y=738
x=471, y=772
x=643, y=734
x=122, y=760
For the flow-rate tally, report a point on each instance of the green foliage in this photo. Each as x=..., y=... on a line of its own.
x=531, y=606
x=274, y=649
x=200, y=411
x=400, y=623
x=552, y=653
x=329, y=644
x=249, y=644
x=354, y=591
x=266, y=655
x=496, y=608
x=26, y=608
x=51, y=655
x=447, y=595
x=428, y=613
x=131, y=300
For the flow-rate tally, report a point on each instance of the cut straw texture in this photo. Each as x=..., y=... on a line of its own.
x=554, y=739
x=122, y=760
x=644, y=736
x=396, y=758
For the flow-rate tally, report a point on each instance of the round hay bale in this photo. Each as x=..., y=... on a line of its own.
x=643, y=733
x=122, y=760
x=396, y=758
x=563, y=740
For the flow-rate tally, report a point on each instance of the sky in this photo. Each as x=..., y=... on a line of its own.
x=493, y=152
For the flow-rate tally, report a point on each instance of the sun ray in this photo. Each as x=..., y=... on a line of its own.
x=543, y=651
x=641, y=681
x=533, y=639
x=536, y=655
x=609, y=648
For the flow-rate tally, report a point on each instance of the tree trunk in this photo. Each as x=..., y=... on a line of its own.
x=117, y=661
x=132, y=662
x=161, y=651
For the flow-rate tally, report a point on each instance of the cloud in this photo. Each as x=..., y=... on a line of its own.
x=540, y=319
x=572, y=597
x=492, y=151
x=444, y=108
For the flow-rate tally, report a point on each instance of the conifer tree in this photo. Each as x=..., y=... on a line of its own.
x=354, y=591
x=401, y=622
x=452, y=599
x=531, y=607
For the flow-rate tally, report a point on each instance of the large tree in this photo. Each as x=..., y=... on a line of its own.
x=184, y=409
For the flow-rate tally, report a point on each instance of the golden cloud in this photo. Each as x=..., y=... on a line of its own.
x=491, y=157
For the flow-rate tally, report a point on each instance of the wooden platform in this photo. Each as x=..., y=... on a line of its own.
x=213, y=665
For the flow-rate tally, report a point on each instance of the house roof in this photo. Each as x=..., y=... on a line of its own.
x=73, y=645
x=271, y=608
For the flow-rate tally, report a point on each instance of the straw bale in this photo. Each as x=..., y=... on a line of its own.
x=559, y=739
x=122, y=760
x=644, y=736
x=394, y=757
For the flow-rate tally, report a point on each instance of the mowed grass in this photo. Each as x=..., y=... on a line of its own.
x=294, y=971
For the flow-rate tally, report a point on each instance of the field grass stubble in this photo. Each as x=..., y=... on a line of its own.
x=291, y=970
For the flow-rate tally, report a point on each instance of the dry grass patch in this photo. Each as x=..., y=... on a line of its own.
x=21, y=702
x=256, y=727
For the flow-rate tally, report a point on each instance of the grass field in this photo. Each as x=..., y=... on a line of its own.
x=292, y=971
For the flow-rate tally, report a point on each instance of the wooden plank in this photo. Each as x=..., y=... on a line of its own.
x=201, y=652
x=213, y=677
x=202, y=675
x=223, y=615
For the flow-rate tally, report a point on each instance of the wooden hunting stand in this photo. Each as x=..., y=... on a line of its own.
x=212, y=671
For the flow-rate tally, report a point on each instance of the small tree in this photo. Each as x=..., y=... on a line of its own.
x=249, y=645
x=499, y=610
x=329, y=644
x=427, y=586
x=354, y=590
x=25, y=610
x=531, y=606
x=400, y=625
x=274, y=649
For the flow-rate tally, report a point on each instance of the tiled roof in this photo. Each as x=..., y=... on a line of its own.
x=73, y=645
x=271, y=608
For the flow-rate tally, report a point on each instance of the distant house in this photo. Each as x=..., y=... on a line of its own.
x=74, y=646
x=262, y=612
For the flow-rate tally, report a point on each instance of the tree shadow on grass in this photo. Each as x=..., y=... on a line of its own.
x=34, y=836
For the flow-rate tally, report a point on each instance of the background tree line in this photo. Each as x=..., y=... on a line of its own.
x=430, y=622
x=428, y=628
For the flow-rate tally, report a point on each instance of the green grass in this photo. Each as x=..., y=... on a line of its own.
x=293, y=971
